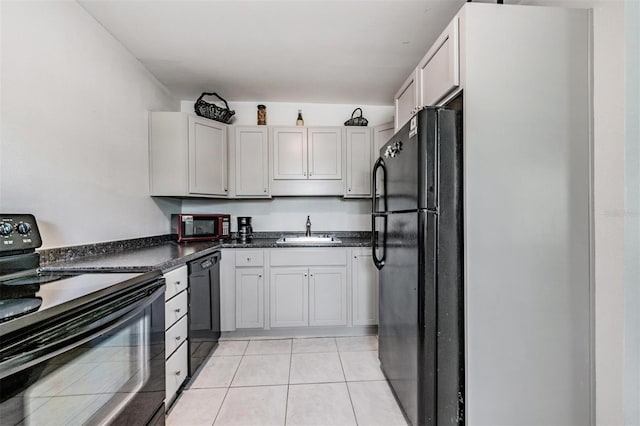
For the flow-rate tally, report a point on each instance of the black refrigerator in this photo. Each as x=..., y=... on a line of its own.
x=417, y=232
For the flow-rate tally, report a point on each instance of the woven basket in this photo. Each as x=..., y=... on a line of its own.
x=212, y=111
x=356, y=121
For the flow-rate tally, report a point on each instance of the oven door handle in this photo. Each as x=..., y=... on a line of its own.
x=83, y=332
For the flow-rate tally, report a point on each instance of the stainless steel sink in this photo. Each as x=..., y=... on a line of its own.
x=314, y=239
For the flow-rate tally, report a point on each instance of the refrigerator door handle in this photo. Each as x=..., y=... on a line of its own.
x=379, y=262
x=379, y=164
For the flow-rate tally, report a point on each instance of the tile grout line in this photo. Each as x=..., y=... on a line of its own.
x=229, y=387
x=353, y=409
x=286, y=402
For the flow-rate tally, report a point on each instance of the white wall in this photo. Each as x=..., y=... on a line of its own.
x=632, y=214
x=609, y=199
x=74, y=127
x=288, y=213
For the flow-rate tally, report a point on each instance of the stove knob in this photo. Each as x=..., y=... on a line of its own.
x=5, y=229
x=23, y=228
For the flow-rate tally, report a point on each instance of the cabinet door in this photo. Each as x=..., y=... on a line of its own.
x=327, y=296
x=289, y=153
x=406, y=101
x=249, y=298
x=289, y=291
x=359, y=155
x=252, y=162
x=228, y=290
x=439, y=70
x=381, y=135
x=325, y=153
x=207, y=157
x=364, y=285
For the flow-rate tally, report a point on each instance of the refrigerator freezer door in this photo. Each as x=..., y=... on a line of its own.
x=410, y=165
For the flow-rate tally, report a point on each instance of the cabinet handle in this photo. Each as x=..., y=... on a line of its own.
x=248, y=259
x=305, y=275
x=259, y=275
x=349, y=189
x=355, y=257
x=178, y=338
x=178, y=282
x=265, y=190
x=312, y=275
x=178, y=372
x=177, y=310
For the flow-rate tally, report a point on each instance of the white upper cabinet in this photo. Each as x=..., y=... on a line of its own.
x=359, y=157
x=307, y=161
x=252, y=161
x=207, y=157
x=381, y=135
x=438, y=73
x=187, y=155
x=436, y=76
x=289, y=153
x=406, y=101
x=324, y=153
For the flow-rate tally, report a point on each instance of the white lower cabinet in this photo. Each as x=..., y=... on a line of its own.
x=327, y=296
x=289, y=297
x=249, y=298
x=249, y=288
x=298, y=287
x=176, y=372
x=308, y=287
x=364, y=288
x=176, y=334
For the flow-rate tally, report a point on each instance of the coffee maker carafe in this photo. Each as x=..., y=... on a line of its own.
x=245, y=231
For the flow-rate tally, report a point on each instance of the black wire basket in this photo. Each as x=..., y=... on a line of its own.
x=212, y=111
x=356, y=121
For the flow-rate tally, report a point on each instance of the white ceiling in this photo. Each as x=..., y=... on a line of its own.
x=339, y=51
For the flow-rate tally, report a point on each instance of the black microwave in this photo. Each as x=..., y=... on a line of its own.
x=201, y=227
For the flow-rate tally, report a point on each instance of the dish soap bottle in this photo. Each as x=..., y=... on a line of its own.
x=299, y=121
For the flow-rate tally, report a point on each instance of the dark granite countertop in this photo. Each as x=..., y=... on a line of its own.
x=165, y=255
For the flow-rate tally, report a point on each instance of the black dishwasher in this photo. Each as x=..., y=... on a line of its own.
x=204, y=308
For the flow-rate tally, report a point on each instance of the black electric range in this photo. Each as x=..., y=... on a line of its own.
x=25, y=291
x=106, y=329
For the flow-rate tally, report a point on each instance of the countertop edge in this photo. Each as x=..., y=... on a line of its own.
x=68, y=266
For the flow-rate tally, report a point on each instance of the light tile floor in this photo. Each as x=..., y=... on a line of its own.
x=314, y=381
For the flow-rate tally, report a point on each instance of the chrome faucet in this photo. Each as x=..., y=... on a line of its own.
x=308, y=233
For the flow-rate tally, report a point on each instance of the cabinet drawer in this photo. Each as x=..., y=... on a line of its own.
x=175, y=309
x=176, y=335
x=308, y=257
x=176, y=280
x=249, y=258
x=176, y=372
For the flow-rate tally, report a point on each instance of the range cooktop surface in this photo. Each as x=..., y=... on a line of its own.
x=25, y=295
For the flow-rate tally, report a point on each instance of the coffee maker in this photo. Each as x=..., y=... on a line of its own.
x=245, y=231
